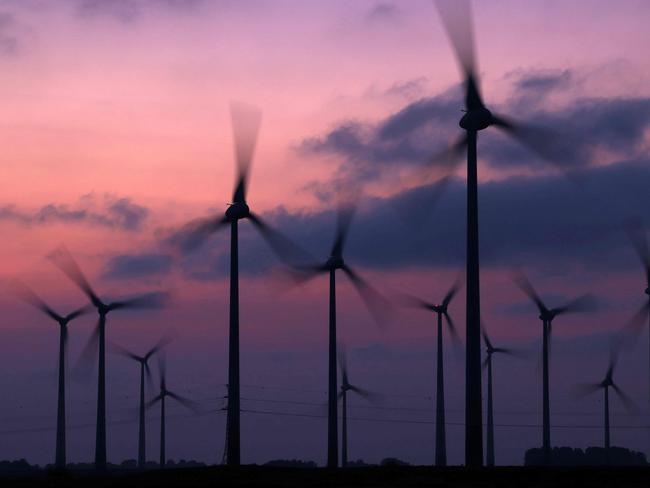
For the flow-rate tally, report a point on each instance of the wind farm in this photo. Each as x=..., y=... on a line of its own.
x=322, y=344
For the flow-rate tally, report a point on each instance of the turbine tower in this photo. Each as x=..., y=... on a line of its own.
x=490, y=350
x=27, y=295
x=97, y=341
x=376, y=303
x=246, y=122
x=143, y=362
x=457, y=20
x=164, y=393
x=547, y=315
x=346, y=386
x=441, y=310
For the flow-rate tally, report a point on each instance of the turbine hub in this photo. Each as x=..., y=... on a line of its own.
x=477, y=119
x=335, y=262
x=238, y=211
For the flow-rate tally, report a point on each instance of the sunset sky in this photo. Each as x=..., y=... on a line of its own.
x=115, y=130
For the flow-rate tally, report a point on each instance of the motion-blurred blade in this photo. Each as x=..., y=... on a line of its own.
x=345, y=214
x=161, y=344
x=343, y=366
x=632, y=328
x=584, y=303
x=186, y=402
x=283, y=247
x=148, y=375
x=452, y=329
x=485, y=363
x=451, y=293
x=63, y=260
x=456, y=16
x=486, y=339
x=85, y=364
x=628, y=403
x=148, y=301
x=245, y=126
x=414, y=302
x=365, y=394
x=377, y=305
x=154, y=400
x=78, y=313
x=122, y=351
x=162, y=371
x=524, y=284
x=27, y=295
x=584, y=389
x=195, y=233
x=637, y=233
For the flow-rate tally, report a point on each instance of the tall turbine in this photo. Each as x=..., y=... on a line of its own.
x=28, y=295
x=547, y=315
x=605, y=385
x=346, y=386
x=642, y=316
x=457, y=20
x=97, y=341
x=377, y=305
x=164, y=393
x=246, y=122
x=490, y=350
x=441, y=310
x=143, y=362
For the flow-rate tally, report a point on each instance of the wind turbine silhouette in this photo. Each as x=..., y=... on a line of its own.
x=164, y=393
x=346, y=386
x=642, y=316
x=605, y=385
x=457, y=20
x=441, y=311
x=155, y=300
x=547, y=315
x=246, y=122
x=143, y=361
x=376, y=303
x=490, y=350
x=22, y=291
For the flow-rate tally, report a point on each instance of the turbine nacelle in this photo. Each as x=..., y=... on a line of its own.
x=335, y=262
x=476, y=119
x=238, y=211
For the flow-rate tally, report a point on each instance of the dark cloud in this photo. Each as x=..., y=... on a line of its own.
x=127, y=266
x=108, y=212
x=130, y=10
x=382, y=12
x=422, y=128
x=10, y=42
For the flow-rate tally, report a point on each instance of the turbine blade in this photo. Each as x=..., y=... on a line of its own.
x=343, y=365
x=161, y=344
x=414, y=302
x=584, y=303
x=195, y=233
x=27, y=295
x=628, y=403
x=632, y=328
x=78, y=313
x=85, y=364
x=246, y=121
x=524, y=284
x=162, y=370
x=584, y=389
x=147, y=373
x=485, y=364
x=638, y=236
x=377, y=305
x=154, y=400
x=147, y=301
x=451, y=293
x=121, y=351
x=456, y=16
x=283, y=247
x=63, y=260
x=452, y=329
x=186, y=402
x=345, y=214
x=365, y=394
x=486, y=339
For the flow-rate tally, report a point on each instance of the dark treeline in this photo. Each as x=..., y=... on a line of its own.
x=591, y=456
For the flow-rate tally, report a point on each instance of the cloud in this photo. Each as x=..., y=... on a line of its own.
x=383, y=12
x=128, y=266
x=108, y=212
x=424, y=127
x=128, y=11
x=10, y=39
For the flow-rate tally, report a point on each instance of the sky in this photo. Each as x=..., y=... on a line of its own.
x=115, y=131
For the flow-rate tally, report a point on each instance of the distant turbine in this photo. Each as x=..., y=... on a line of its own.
x=374, y=301
x=457, y=19
x=143, y=361
x=345, y=387
x=66, y=263
x=547, y=315
x=164, y=393
x=246, y=122
x=490, y=350
x=28, y=296
x=642, y=316
x=605, y=385
x=441, y=311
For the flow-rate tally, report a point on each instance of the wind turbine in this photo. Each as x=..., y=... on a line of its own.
x=490, y=350
x=547, y=315
x=605, y=385
x=441, y=311
x=143, y=361
x=345, y=387
x=642, y=315
x=377, y=305
x=164, y=393
x=246, y=123
x=457, y=20
x=27, y=295
x=155, y=300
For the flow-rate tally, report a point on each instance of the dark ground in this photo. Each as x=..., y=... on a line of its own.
x=256, y=476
